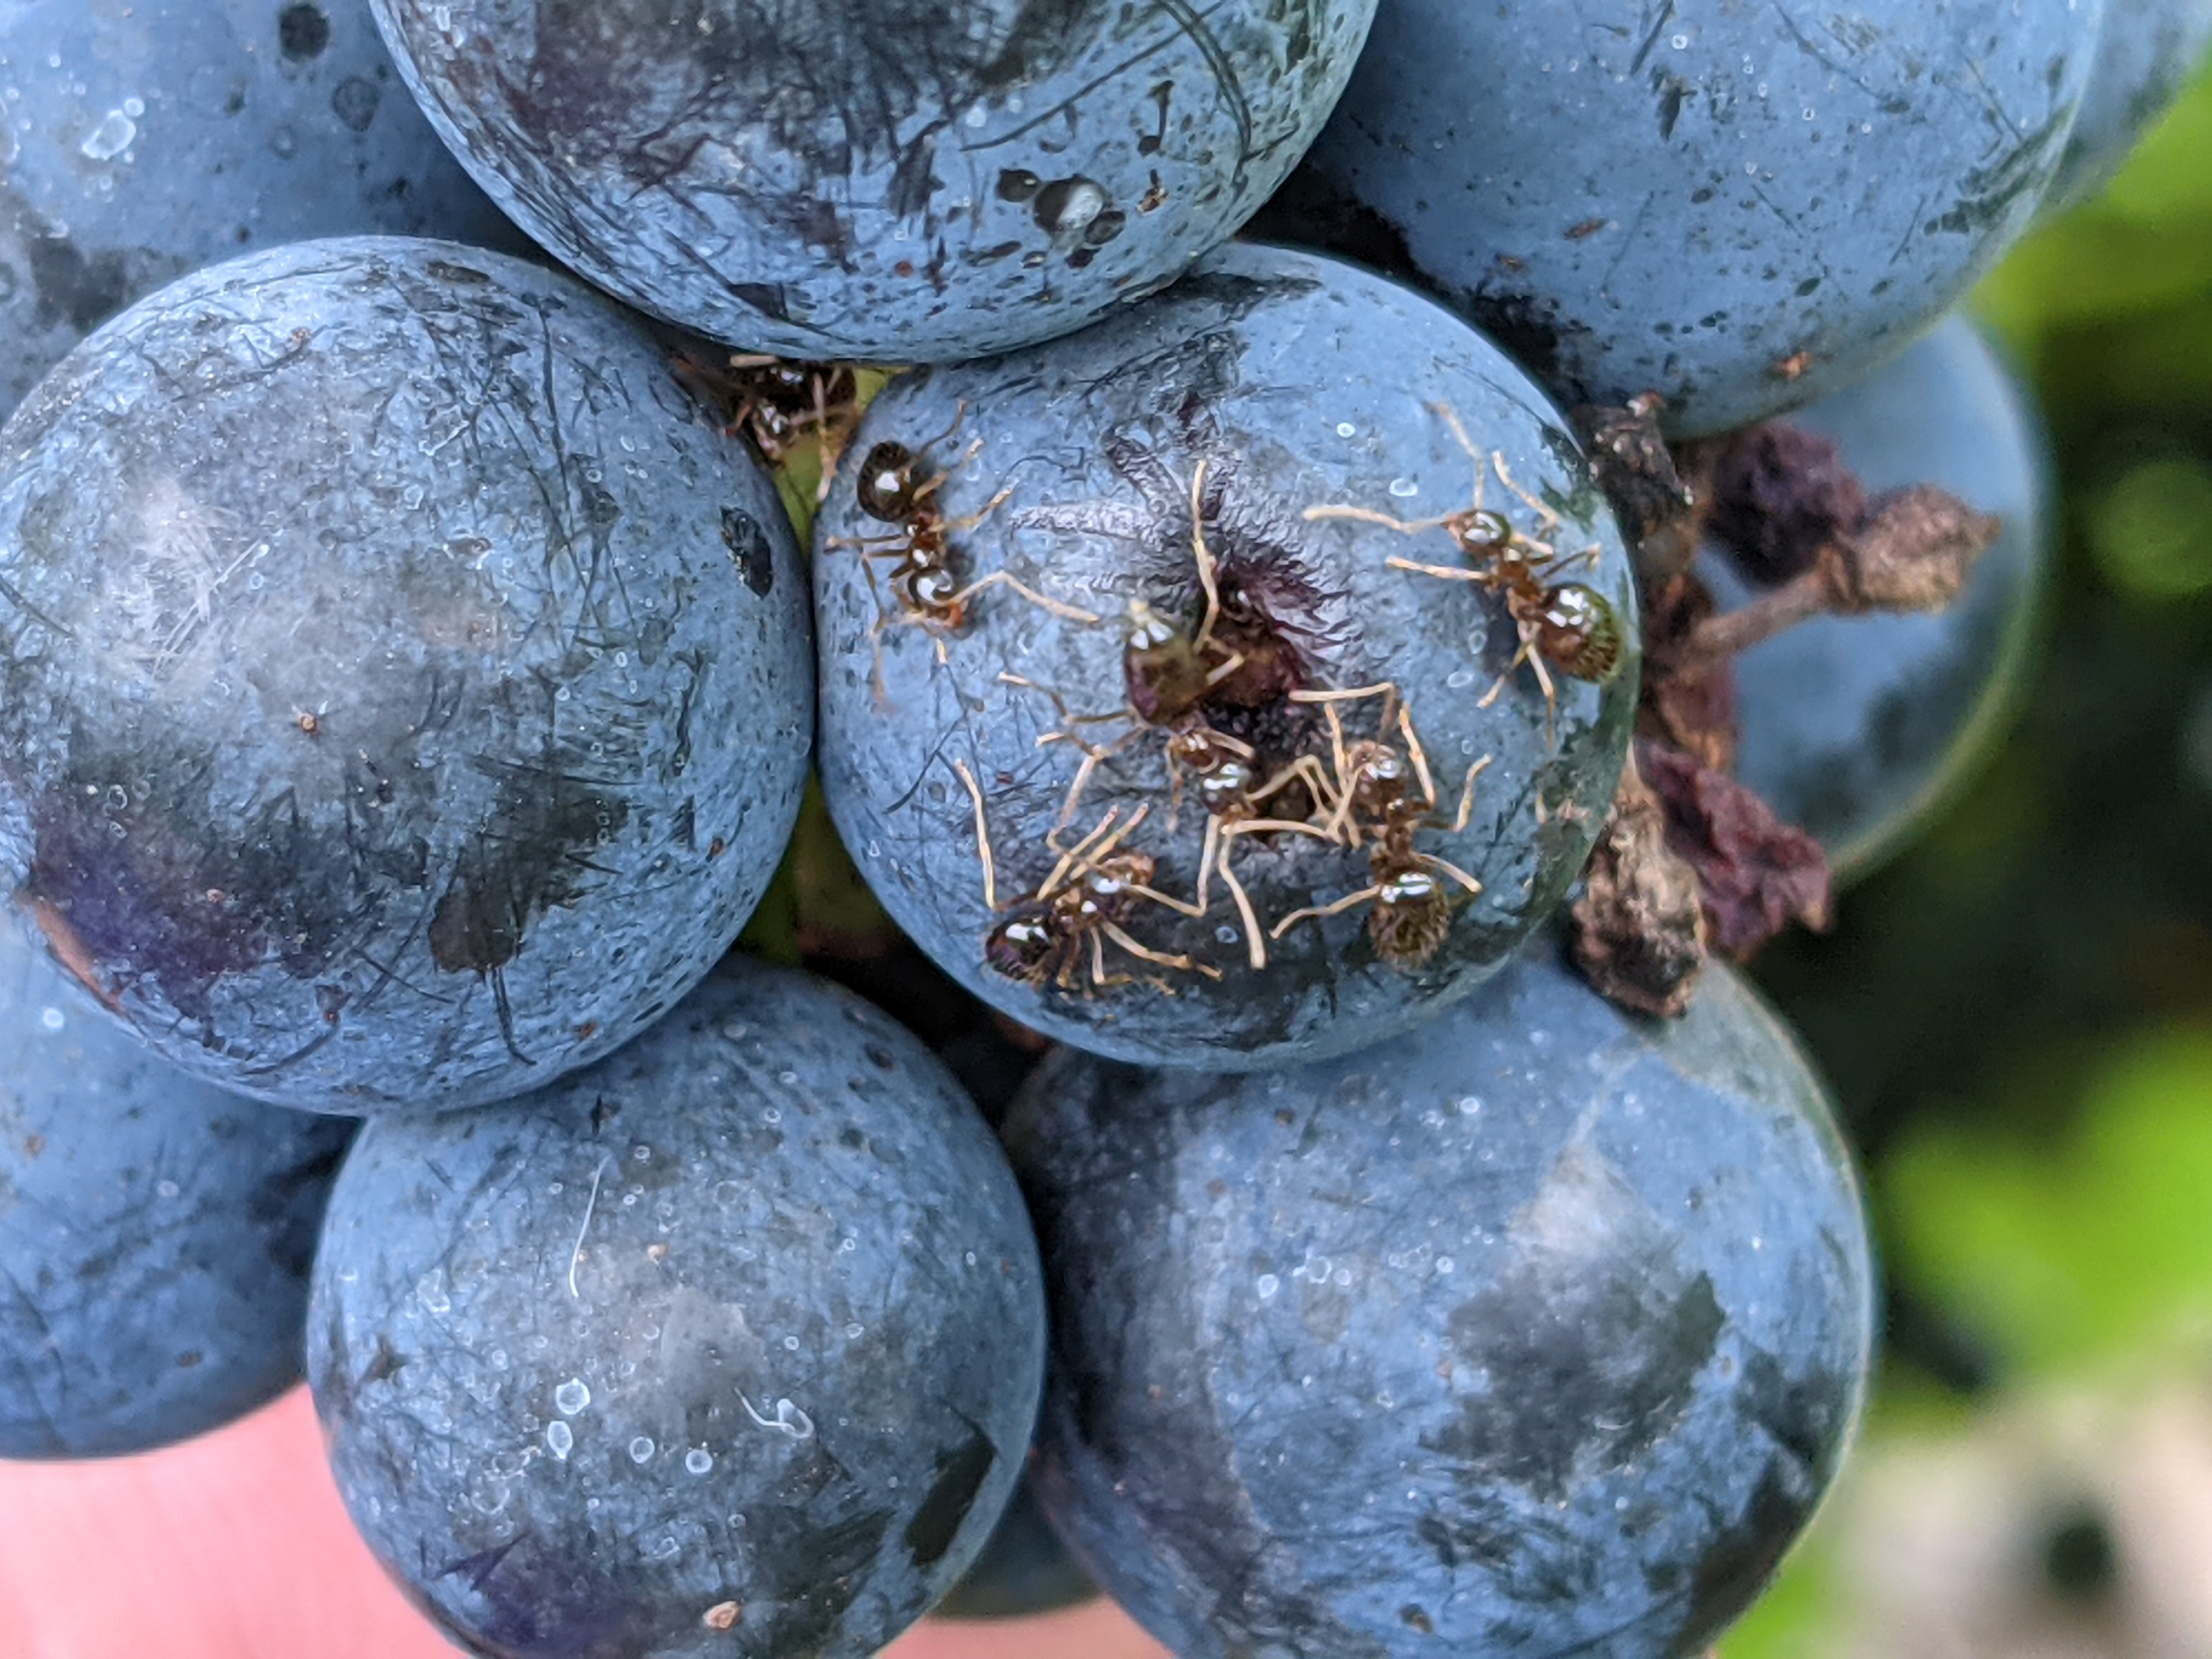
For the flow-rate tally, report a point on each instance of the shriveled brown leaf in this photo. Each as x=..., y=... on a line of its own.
x=1638, y=930
x=1758, y=874
x=1780, y=494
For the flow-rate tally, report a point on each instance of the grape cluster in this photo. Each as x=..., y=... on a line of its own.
x=1349, y=688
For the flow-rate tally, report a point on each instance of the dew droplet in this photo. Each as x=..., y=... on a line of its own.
x=572, y=1396
x=560, y=1439
x=52, y=1018
x=1267, y=1285
x=698, y=1461
x=110, y=138
x=641, y=1449
x=1404, y=488
x=1345, y=430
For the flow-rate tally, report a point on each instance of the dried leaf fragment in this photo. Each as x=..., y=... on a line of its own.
x=1758, y=874
x=1638, y=930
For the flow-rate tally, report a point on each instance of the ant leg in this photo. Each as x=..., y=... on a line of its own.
x=982, y=836
x=1467, y=795
x=1145, y=953
x=1316, y=912
x=1001, y=578
x=1543, y=510
x=1254, y=944
x=1094, y=847
x=1368, y=515
x=1451, y=870
x=961, y=526
x=1203, y=556
x=1071, y=857
x=1218, y=674
x=1448, y=573
x=1450, y=417
x=1418, y=756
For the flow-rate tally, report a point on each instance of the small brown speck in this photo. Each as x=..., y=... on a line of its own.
x=714, y=848
x=903, y=268
x=34, y=1144
x=723, y=1615
x=216, y=896
x=1793, y=366
x=1153, y=198
x=308, y=722
x=587, y=1030
x=1586, y=228
x=188, y=1359
x=1285, y=1116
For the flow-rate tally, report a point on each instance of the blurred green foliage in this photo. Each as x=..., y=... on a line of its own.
x=2017, y=1013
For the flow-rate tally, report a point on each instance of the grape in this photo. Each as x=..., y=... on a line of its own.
x=1855, y=727
x=406, y=689
x=154, y=1233
x=139, y=143
x=1272, y=383
x=1741, y=208
x=731, y=1345
x=1540, y=1331
x=896, y=180
x=2146, y=53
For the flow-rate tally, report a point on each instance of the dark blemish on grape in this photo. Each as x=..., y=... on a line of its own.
x=1415, y=1617
x=749, y=550
x=478, y=1566
x=445, y=271
x=1150, y=143
x=793, y=1547
x=302, y=31
x=1673, y=91
x=1741, y=1558
x=1585, y=229
x=533, y=853
x=85, y=291
x=1018, y=184
x=1591, y=1362
x=960, y=1475
x=385, y=1365
x=771, y=300
x=354, y=101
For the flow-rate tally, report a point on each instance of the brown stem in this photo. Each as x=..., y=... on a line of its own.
x=1723, y=636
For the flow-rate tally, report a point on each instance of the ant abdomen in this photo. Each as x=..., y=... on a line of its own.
x=1579, y=632
x=887, y=487
x=1023, y=947
x=1410, y=919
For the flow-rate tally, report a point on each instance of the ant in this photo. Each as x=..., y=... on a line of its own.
x=1090, y=893
x=1564, y=625
x=897, y=487
x=1169, y=674
x=1412, y=908
x=778, y=404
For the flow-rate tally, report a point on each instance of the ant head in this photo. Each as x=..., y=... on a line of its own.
x=1481, y=531
x=1147, y=629
x=887, y=489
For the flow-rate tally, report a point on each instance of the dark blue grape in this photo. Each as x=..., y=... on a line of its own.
x=1858, y=727
x=404, y=690
x=2145, y=54
x=154, y=1233
x=139, y=143
x=1739, y=207
x=1292, y=382
x=899, y=180
x=731, y=1345
x=1538, y=1332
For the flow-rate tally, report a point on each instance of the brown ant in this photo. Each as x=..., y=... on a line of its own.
x=779, y=405
x=1170, y=673
x=1081, y=905
x=1568, y=625
x=897, y=487
x=1374, y=800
